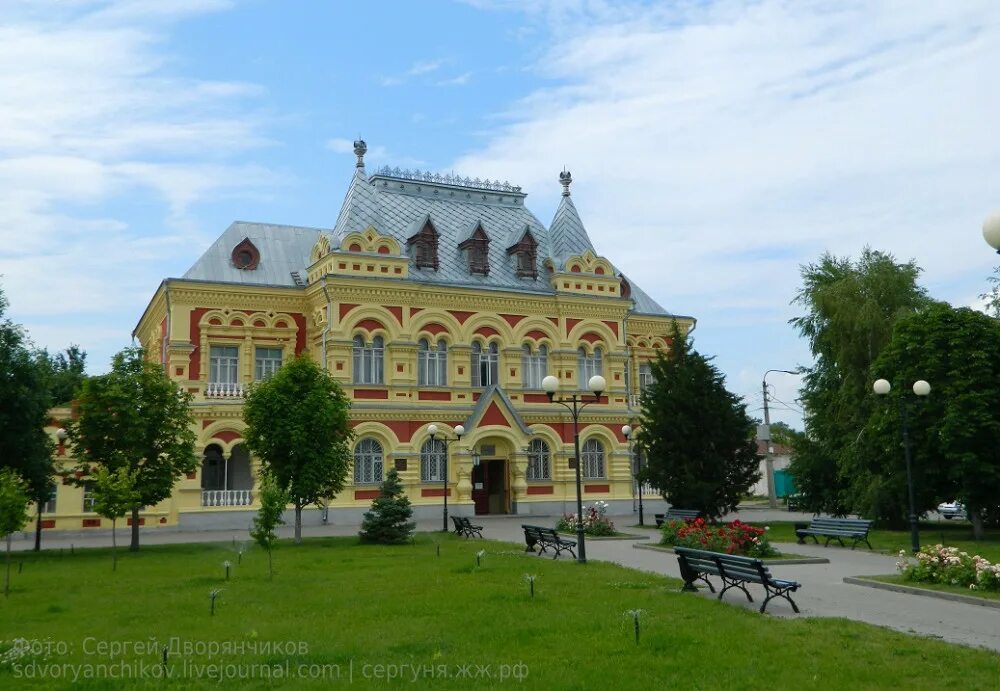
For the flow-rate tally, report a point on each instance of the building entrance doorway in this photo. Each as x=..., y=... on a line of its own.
x=491, y=486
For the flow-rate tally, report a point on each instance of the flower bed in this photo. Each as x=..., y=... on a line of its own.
x=731, y=538
x=949, y=566
x=595, y=521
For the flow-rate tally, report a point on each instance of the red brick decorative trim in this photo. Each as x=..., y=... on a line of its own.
x=596, y=489
x=539, y=489
x=366, y=493
x=91, y=522
x=142, y=521
x=381, y=394
x=535, y=398
x=434, y=395
x=48, y=523
x=433, y=492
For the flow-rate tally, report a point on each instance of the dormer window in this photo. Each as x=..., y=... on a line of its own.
x=525, y=252
x=477, y=250
x=245, y=255
x=425, y=247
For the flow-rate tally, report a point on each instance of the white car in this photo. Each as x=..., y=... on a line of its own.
x=951, y=509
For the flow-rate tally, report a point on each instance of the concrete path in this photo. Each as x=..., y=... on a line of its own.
x=823, y=592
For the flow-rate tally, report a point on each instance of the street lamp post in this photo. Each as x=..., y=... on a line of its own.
x=772, y=495
x=920, y=388
x=432, y=430
x=634, y=460
x=575, y=405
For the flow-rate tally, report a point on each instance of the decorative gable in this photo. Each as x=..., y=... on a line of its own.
x=477, y=250
x=424, y=244
x=525, y=250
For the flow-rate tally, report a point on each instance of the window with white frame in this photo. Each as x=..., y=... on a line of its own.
x=88, y=498
x=433, y=461
x=368, y=360
x=432, y=363
x=267, y=362
x=223, y=364
x=50, y=505
x=368, y=462
x=589, y=364
x=539, y=467
x=645, y=376
x=534, y=365
x=593, y=459
x=485, y=364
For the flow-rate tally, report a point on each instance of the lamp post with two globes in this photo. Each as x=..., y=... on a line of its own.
x=575, y=403
x=432, y=430
x=920, y=388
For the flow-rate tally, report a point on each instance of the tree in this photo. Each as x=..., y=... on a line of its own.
x=66, y=372
x=388, y=522
x=273, y=500
x=850, y=309
x=696, y=435
x=24, y=411
x=135, y=417
x=13, y=511
x=955, y=431
x=115, y=494
x=298, y=426
x=992, y=298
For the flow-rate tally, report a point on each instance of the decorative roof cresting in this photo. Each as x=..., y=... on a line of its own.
x=457, y=180
x=565, y=179
x=360, y=148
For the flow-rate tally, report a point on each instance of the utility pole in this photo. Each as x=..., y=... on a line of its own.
x=772, y=496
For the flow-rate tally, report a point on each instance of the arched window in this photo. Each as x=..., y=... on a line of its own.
x=368, y=462
x=593, y=459
x=485, y=364
x=589, y=365
x=534, y=365
x=368, y=360
x=538, y=460
x=433, y=461
x=432, y=364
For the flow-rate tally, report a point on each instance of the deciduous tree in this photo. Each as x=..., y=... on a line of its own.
x=13, y=511
x=273, y=500
x=135, y=417
x=298, y=426
x=696, y=435
x=115, y=495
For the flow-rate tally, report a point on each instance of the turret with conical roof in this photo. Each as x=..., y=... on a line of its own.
x=567, y=235
x=361, y=207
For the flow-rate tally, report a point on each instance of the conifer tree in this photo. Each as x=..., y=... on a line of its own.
x=388, y=522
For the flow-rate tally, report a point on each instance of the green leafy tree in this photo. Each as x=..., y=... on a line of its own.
x=273, y=500
x=992, y=297
x=696, y=436
x=24, y=410
x=850, y=307
x=135, y=417
x=955, y=431
x=13, y=511
x=115, y=495
x=389, y=522
x=299, y=428
x=66, y=372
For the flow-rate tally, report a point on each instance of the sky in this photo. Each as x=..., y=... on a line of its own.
x=716, y=146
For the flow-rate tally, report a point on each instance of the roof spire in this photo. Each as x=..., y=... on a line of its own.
x=359, y=150
x=565, y=178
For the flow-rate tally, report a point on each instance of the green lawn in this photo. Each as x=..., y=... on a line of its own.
x=334, y=602
x=950, y=533
x=957, y=590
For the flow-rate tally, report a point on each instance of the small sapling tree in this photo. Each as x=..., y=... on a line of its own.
x=115, y=495
x=13, y=512
x=273, y=500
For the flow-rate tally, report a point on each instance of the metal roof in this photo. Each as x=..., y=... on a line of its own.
x=398, y=203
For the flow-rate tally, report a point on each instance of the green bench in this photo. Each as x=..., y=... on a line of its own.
x=735, y=571
x=675, y=515
x=836, y=529
x=463, y=526
x=546, y=537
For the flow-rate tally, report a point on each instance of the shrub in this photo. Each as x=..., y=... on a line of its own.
x=949, y=566
x=389, y=522
x=595, y=521
x=731, y=538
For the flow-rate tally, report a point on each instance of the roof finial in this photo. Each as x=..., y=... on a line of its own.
x=565, y=178
x=359, y=150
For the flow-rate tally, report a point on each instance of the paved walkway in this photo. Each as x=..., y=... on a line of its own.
x=823, y=592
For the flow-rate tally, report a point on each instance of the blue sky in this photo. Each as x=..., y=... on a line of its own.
x=715, y=146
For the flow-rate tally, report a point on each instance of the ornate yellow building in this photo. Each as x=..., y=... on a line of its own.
x=433, y=299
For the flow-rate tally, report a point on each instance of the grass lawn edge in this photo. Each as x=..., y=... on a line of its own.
x=616, y=536
x=872, y=582
x=781, y=560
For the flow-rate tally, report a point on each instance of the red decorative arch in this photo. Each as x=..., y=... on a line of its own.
x=487, y=331
x=591, y=337
x=371, y=325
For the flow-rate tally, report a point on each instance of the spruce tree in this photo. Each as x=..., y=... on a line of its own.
x=696, y=435
x=389, y=522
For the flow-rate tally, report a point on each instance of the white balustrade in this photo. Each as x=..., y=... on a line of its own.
x=226, y=497
x=215, y=389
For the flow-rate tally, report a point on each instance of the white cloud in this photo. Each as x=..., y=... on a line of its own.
x=92, y=114
x=460, y=80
